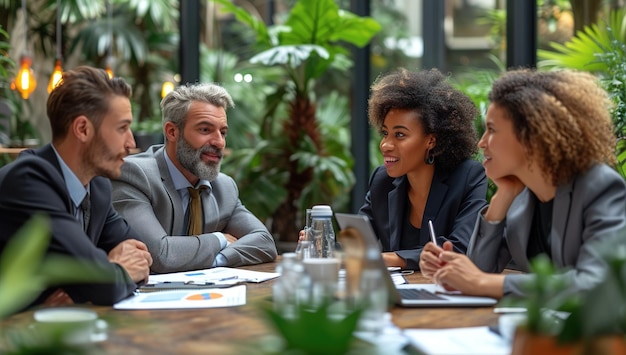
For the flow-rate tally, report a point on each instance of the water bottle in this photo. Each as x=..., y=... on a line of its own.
x=372, y=294
x=322, y=233
x=305, y=249
x=291, y=289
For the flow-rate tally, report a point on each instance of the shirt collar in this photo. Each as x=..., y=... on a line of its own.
x=75, y=188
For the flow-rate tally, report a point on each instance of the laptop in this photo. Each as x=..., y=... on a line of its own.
x=408, y=295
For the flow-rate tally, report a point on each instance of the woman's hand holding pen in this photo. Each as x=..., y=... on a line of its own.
x=429, y=259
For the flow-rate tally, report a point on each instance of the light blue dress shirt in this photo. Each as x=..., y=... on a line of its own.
x=75, y=188
x=181, y=184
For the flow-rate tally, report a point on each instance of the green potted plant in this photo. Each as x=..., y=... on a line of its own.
x=26, y=270
x=314, y=330
x=562, y=322
x=598, y=322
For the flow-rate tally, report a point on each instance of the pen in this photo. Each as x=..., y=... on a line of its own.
x=229, y=278
x=432, y=232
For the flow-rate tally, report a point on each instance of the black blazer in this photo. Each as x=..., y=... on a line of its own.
x=454, y=200
x=34, y=183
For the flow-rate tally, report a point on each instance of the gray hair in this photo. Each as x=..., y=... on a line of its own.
x=176, y=104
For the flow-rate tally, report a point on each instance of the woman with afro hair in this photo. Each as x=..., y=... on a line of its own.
x=428, y=140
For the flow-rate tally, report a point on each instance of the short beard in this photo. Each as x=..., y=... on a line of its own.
x=99, y=153
x=191, y=159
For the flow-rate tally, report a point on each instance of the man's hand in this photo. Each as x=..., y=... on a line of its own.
x=230, y=238
x=134, y=257
x=58, y=298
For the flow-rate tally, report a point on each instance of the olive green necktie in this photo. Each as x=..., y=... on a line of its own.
x=86, y=209
x=194, y=211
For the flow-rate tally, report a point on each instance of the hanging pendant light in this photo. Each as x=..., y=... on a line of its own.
x=56, y=76
x=108, y=61
x=25, y=82
x=167, y=87
x=57, y=73
x=108, y=66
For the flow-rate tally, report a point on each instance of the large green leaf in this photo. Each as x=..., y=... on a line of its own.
x=292, y=55
x=321, y=22
x=26, y=270
x=19, y=281
x=581, y=52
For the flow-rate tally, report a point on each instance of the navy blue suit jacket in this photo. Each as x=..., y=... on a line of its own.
x=34, y=183
x=454, y=200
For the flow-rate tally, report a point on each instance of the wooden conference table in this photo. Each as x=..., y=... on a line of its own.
x=236, y=329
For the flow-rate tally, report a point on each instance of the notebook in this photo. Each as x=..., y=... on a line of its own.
x=409, y=295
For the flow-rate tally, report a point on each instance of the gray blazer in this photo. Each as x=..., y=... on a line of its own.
x=146, y=197
x=587, y=210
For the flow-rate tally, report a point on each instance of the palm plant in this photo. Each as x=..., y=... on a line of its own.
x=294, y=150
x=142, y=35
x=600, y=49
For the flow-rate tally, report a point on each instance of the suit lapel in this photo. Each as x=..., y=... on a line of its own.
x=519, y=220
x=438, y=191
x=178, y=218
x=562, y=202
x=47, y=153
x=396, y=199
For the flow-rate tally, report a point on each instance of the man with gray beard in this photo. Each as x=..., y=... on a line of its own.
x=155, y=192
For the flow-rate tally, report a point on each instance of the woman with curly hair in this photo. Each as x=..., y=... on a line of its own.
x=548, y=147
x=428, y=140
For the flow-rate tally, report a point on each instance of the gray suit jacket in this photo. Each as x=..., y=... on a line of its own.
x=146, y=197
x=586, y=211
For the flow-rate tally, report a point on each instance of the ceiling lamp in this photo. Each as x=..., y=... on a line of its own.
x=25, y=81
x=167, y=87
x=57, y=73
x=108, y=61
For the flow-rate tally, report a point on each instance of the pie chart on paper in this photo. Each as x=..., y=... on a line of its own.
x=204, y=296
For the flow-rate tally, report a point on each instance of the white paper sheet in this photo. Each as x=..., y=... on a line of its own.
x=178, y=299
x=471, y=340
x=217, y=275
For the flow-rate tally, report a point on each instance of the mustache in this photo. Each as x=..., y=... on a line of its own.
x=211, y=149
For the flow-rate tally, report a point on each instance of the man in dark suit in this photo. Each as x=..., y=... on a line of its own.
x=90, y=117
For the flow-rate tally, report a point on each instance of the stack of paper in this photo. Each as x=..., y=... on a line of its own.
x=217, y=275
x=471, y=340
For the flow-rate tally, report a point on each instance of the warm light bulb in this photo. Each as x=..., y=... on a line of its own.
x=25, y=81
x=167, y=87
x=56, y=76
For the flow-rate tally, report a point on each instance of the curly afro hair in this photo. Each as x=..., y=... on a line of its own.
x=443, y=111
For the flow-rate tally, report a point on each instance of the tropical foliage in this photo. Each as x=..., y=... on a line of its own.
x=578, y=318
x=26, y=270
x=294, y=150
x=601, y=49
x=138, y=38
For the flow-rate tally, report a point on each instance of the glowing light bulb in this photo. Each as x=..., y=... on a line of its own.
x=25, y=82
x=167, y=87
x=56, y=76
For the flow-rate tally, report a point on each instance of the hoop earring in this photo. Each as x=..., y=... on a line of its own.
x=429, y=158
